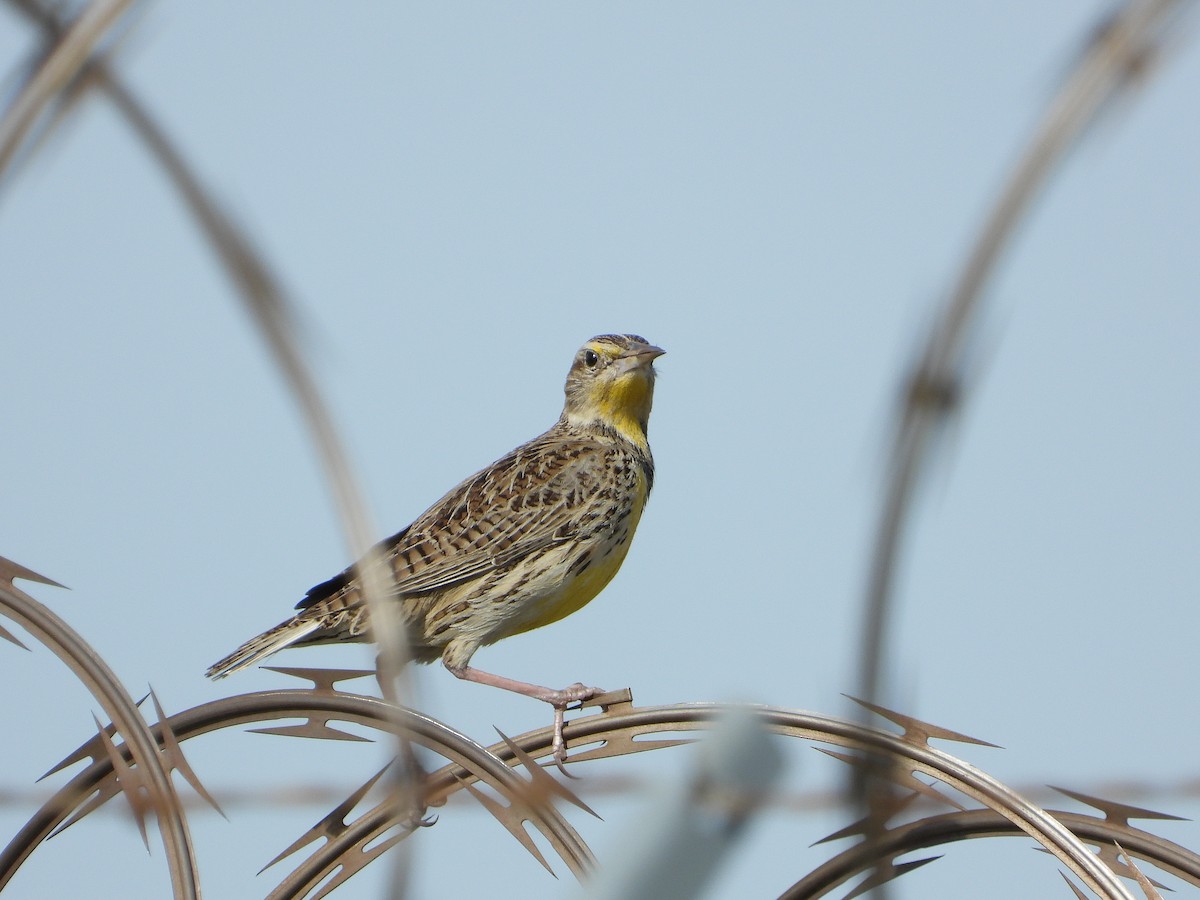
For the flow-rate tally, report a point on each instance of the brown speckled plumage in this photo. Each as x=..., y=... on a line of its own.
x=520, y=544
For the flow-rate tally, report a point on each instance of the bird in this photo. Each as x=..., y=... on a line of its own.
x=520, y=544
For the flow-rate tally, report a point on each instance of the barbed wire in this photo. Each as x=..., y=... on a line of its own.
x=121, y=758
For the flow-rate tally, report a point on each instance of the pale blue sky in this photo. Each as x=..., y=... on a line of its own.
x=458, y=195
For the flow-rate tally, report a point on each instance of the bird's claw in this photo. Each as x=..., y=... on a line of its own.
x=559, y=745
x=575, y=693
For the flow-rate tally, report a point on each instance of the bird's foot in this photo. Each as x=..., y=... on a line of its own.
x=560, y=700
x=575, y=693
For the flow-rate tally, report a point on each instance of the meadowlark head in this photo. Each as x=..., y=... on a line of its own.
x=611, y=384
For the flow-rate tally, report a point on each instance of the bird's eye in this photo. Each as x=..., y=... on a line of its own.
x=590, y=358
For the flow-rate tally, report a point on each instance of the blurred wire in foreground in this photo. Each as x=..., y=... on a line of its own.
x=1116, y=57
x=685, y=834
x=261, y=292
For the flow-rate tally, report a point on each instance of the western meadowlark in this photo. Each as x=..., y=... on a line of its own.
x=521, y=544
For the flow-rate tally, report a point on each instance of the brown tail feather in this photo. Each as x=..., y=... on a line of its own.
x=282, y=635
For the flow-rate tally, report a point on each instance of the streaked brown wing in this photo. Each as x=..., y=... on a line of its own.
x=541, y=494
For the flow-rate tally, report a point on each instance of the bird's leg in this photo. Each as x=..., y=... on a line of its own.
x=559, y=699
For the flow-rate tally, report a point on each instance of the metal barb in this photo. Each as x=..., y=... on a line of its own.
x=89, y=749
x=1111, y=855
x=885, y=811
x=1147, y=885
x=333, y=823
x=102, y=793
x=943, y=828
x=131, y=781
x=885, y=872
x=324, y=680
x=313, y=728
x=9, y=571
x=1078, y=893
x=1117, y=813
x=918, y=732
x=511, y=819
x=901, y=776
x=176, y=761
x=542, y=785
x=9, y=636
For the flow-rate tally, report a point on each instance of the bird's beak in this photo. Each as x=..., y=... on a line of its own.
x=638, y=359
x=643, y=355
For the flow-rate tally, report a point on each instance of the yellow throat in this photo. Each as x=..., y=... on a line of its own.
x=611, y=384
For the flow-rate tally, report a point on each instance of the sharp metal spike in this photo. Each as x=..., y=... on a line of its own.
x=1147, y=885
x=918, y=732
x=131, y=781
x=1117, y=813
x=513, y=821
x=318, y=729
x=89, y=749
x=333, y=823
x=10, y=570
x=313, y=834
x=324, y=680
x=901, y=776
x=885, y=872
x=887, y=810
x=105, y=791
x=9, y=636
x=177, y=761
x=284, y=854
x=1078, y=893
x=1111, y=856
x=541, y=783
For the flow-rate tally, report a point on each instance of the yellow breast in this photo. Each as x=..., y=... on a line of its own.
x=577, y=590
